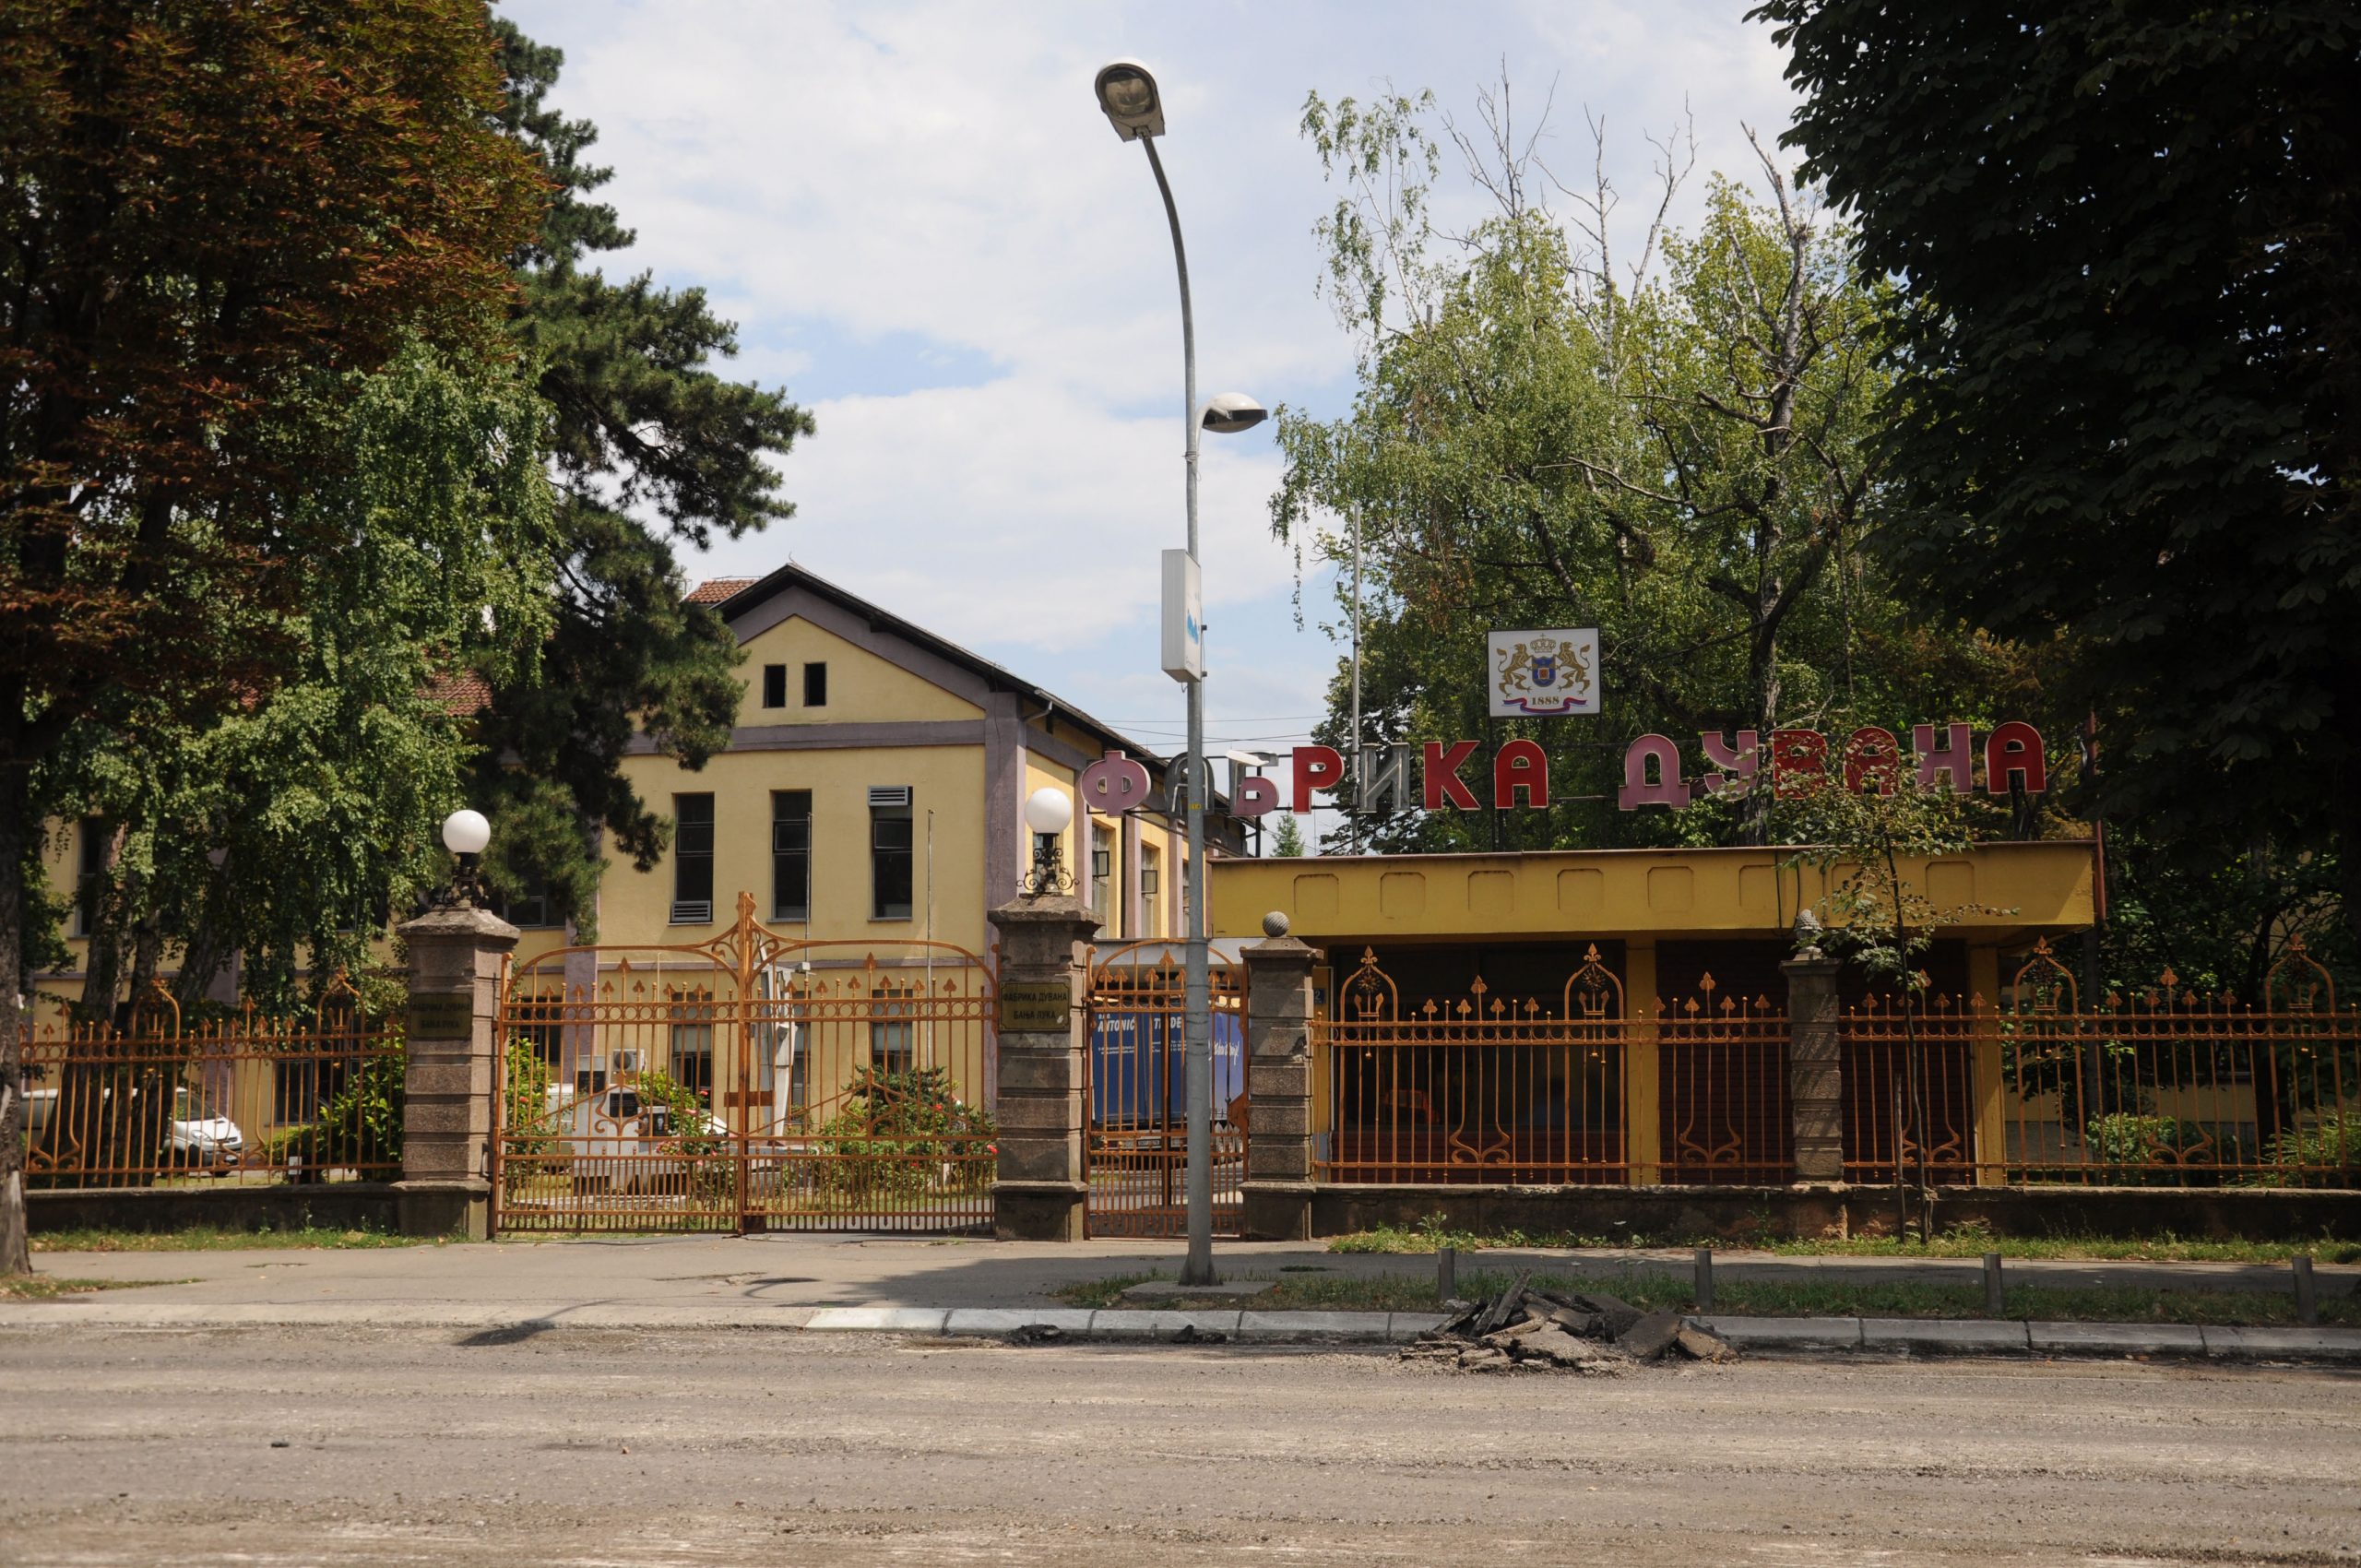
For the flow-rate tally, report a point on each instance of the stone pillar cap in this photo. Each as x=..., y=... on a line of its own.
x=460, y=922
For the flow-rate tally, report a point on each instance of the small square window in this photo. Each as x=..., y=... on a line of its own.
x=815, y=685
x=773, y=685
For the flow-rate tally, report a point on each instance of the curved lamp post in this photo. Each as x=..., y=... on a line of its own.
x=1128, y=95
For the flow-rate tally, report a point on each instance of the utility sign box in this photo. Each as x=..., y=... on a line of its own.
x=1185, y=620
x=1546, y=673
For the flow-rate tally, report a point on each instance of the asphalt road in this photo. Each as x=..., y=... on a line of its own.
x=598, y=1447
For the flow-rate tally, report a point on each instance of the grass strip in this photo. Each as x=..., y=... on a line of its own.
x=1651, y=1290
x=48, y=1288
x=1965, y=1241
x=213, y=1238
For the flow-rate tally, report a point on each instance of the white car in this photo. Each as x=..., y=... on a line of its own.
x=196, y=1140
x=210, y=1141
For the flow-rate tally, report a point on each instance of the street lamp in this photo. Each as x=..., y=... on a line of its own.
x=1128, y=95
x=464, y=834
x=1047, y=811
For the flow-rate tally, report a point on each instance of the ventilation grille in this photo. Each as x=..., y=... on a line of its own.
x=889, y=794
x=692, y=914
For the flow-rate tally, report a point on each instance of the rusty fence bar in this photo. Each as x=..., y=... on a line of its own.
x=235, y=1098
x=1135, y=1083
x=1723, y=1090
x=2165, y=1087
x=751, y=1083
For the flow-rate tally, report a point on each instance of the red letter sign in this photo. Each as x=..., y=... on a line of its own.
x=1521, y=765
x=1669, y=788
x=2013, y=751
x=1256, y=796
x=1316, y=768
x=1798, y=762
x=1872, y=760
x=1440, y=775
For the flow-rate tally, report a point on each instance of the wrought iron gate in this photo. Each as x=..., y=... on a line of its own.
x=1134, y=1094
x=748, y=1083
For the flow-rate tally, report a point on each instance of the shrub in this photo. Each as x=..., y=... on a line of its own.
x=906, y=1134
x=360, y=1125
x=2326, y=1147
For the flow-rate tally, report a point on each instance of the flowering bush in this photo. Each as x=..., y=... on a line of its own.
x=907, y=1133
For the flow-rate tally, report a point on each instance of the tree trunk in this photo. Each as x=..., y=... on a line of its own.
x=16, y=831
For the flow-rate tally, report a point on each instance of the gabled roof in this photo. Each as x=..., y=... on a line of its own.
x=745, y=594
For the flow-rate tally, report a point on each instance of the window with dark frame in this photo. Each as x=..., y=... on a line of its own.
x=692, y=859
x=773, y=685
x=890, y=858
x=815, y=685
x=791, y=855
x=531, y=908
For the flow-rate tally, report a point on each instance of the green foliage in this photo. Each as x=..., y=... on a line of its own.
x=2123, y=247
x=709, y=1167
x=1677, y=448
x=1286, y=841
x=652, y=449
x=2327, y=1142
x=291, y=829
x=1875, y=914
x=358, y=1125
x=907, y=1134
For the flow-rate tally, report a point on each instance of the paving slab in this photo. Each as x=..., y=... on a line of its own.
x=1943, y=1336
x=2116, y=1340
x=1117, y=1323
x=1314, y=1325
x=2283, y=1344
x=1000, y=1320
x=1798, y=1335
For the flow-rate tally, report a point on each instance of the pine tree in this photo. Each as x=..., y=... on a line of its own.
x=644, y=428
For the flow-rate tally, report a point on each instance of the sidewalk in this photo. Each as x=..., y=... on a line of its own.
x=933, y=1286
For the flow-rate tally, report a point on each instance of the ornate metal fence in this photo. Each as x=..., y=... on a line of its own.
x=235, y=1097
x=748, y=1083
x=1134, y=1094
x=1722, y=1090
x=2166, y=1086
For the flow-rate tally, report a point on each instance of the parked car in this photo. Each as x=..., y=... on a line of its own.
x=203, y=1141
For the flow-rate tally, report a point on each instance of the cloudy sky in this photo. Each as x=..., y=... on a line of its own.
x=927, y=232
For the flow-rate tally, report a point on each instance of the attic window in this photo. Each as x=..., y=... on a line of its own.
x=773, y=685
x=815, y=685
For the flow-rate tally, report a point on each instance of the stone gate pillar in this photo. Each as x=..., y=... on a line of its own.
x=1278, y=1086
x=1815, y=1066
x=1041, y=1190
x=450, y=1081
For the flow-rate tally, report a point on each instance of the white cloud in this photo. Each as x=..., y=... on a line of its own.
x=891, y=197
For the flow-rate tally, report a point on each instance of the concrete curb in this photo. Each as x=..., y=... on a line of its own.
x=1761, y=1335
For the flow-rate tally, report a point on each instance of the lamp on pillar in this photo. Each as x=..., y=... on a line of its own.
x=464, y=834
x=1047, y=811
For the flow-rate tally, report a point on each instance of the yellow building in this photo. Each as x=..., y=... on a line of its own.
x=874, y=788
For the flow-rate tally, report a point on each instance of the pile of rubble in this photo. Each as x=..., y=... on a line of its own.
x=1590, y=1332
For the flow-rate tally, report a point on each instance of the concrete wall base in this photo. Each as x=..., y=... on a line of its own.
x=456, y=1208
x=333, y=1205
x=1277, y=1211
x=1039, y=1211
x=1811, y=1212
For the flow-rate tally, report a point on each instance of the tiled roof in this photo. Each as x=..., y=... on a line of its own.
x=715, y=590
x=462, y=693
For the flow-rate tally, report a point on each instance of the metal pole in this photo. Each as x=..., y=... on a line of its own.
x=1197, y=1021
x=1360, y=780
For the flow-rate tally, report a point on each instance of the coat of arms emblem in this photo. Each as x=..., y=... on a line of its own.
x=1544, y=673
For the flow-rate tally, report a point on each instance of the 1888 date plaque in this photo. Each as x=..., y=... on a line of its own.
x=1037, y=1006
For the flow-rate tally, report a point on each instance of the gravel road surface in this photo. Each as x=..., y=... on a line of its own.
x=353, y=1446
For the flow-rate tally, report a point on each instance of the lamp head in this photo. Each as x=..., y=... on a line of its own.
x=466, y=832
x=1048, y=810
x=1127, y=93
x=1227, y=413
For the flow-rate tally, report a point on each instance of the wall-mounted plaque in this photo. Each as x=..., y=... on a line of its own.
x=1039, y=1006
x=441, y=1017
